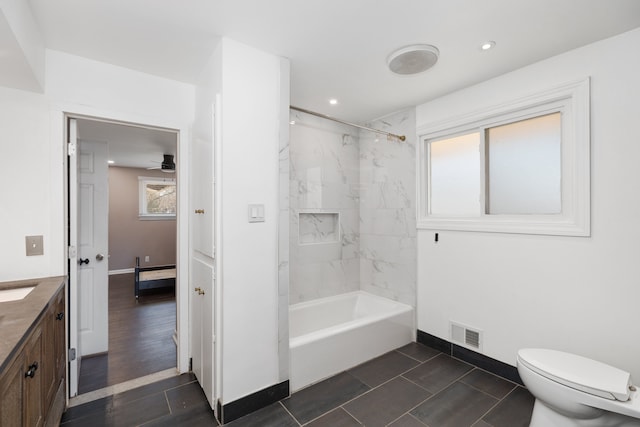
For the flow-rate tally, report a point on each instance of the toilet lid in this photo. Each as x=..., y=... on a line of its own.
x=578, y=372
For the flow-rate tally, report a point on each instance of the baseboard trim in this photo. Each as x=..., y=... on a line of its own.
x=248, y=404
x=123, y=271
x=487, y=363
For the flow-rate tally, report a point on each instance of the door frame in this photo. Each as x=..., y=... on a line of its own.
x=60, y=114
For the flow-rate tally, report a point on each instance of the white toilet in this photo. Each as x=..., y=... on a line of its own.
x=575, y=391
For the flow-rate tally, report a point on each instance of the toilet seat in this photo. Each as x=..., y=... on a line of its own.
x=578, y=372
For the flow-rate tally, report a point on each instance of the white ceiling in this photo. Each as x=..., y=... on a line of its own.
x=337, y=48
x=130, y=146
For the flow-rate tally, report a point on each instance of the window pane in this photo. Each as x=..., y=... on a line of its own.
x=455, y=176
x=161, y=198
x=524, y=167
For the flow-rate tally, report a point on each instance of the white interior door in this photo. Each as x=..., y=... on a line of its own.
x=74, y=338
x=93, y=284
x=88, y=244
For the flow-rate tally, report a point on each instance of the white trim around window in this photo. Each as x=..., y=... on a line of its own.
x=143, y=182
x=572, y=101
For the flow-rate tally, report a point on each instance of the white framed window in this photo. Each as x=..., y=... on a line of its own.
x=157, y=198
x=521, y=167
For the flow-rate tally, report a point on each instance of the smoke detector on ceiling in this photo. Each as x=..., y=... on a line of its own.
x=413, y=59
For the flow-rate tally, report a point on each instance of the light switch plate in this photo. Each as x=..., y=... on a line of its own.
x=34, y=245
x=256, y=213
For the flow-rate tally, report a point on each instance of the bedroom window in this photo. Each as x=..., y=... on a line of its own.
x=157, y=198
x=522, y=167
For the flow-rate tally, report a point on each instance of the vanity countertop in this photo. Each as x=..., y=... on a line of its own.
x=18, y=317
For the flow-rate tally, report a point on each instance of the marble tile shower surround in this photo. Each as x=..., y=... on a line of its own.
x=369, y=181
x=324, y=179
x=388, y=247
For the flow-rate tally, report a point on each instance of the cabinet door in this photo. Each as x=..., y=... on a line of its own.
x=48, y=359
x=11, y=385
x=60, y=344
x=32, y=377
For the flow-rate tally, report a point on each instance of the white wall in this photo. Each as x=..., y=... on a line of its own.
x=252, y=93
x=23, y=63
x=34, y=196
x=32, y=126
x=28, y=192
x=569, y=293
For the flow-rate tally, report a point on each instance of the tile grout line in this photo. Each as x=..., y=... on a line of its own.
x=166, y=399
x=497, y=403
x=416, y=405
x=115, y=389
x=418, y=360
x=289, y=412
x=411, y=415
x=351, y=415
x=488, y=394
x=401, y=375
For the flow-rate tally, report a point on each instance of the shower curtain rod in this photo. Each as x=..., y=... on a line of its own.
x=324, y=116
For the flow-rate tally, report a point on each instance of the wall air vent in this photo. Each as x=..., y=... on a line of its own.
x=466, y=336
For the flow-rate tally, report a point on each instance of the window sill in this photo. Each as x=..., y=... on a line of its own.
x=531, y=224
x=157, y=217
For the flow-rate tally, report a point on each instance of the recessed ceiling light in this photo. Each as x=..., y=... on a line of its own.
x=110, y=162
x=413, y=59
x=488, y=45
x=333, y=101
x=292, y=122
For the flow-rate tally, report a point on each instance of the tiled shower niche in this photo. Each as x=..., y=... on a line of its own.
x=318, y=227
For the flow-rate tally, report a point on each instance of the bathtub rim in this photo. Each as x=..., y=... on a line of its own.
x=396, y=308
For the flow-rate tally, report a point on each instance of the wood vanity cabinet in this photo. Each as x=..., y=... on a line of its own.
x=21, y=386
x=32, y=386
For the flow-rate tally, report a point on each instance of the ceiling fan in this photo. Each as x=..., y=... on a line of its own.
x=167, y=164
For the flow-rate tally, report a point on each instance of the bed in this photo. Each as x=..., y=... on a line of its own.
x=161, y=276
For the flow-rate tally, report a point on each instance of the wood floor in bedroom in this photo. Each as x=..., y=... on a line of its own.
x=140, y=336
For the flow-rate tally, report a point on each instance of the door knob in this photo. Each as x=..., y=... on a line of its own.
x=99, y=257
x=83, y=261
x=199, y=291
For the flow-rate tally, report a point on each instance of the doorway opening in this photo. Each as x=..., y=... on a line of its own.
x=125, y=216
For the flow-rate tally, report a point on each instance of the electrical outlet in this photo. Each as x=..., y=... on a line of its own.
x=34, y=245
x=146, y=258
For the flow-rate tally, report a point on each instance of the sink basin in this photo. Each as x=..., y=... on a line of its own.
x=15, y=294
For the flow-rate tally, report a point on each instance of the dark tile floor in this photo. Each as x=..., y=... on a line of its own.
x=176, y=401
x=414, y=386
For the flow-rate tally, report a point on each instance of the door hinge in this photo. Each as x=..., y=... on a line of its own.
x=71, y=149
x=72, y=354
x=213, y=338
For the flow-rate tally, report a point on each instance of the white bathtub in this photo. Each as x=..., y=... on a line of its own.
x=330, y=335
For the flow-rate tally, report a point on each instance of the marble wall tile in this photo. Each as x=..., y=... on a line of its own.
x=394, y=222
x=369, y=181
x=388, y=249
x=283, y=258
x=311, y=194
x=324, y=179
x=396, y=249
